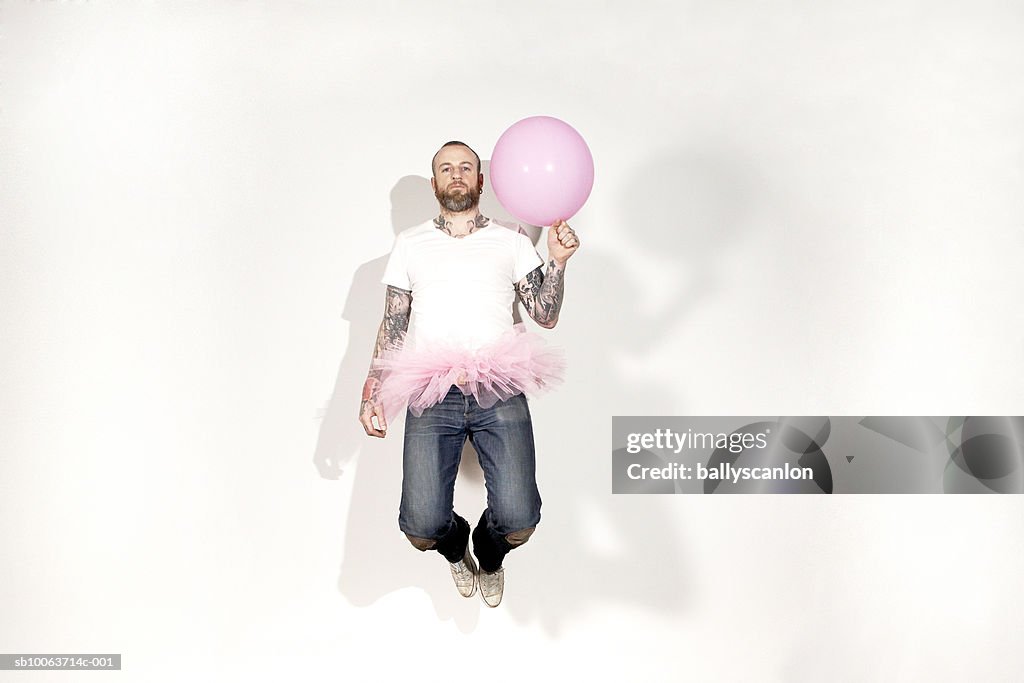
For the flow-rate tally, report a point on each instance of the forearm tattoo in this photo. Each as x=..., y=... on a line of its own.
x=541, y=293
x=390, y=336
x=472, y=225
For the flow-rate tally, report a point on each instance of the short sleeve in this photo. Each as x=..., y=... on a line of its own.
x=396, y=272
x=527, y=258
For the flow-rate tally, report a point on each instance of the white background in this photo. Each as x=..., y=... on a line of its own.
x=799, y=209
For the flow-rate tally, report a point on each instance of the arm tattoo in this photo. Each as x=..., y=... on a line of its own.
x=472, y=225
x=390, y=337
x=397, y=307
x=541, y=293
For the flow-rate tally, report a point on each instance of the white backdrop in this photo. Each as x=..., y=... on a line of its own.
x=799, y=209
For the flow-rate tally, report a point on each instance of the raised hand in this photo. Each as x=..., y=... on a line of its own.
x=562, y=242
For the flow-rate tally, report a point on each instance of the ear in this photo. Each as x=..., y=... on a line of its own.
x=480, y=181
x=433, y=185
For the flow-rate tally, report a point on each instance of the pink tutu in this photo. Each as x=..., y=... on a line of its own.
x=517, y=362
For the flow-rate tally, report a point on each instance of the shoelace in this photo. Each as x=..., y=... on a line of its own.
x=490, y=580
x=463, y=572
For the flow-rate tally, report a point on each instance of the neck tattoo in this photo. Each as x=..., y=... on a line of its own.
x=472, y=225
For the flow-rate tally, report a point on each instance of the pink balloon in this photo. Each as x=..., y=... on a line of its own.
x=541, y=170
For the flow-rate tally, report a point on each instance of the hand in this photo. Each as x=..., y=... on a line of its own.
x=562, y=242
x=371, y=407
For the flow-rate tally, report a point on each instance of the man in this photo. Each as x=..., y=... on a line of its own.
x=460, y=274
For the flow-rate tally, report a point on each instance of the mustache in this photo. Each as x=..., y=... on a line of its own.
x=458, y=202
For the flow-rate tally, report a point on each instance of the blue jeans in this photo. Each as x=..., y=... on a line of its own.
x=502, y=435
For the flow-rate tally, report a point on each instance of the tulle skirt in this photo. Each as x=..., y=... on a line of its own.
x=518, y=362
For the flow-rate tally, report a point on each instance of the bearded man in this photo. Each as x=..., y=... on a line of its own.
x=466, y=370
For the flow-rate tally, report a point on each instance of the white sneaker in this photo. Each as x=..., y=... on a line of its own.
x=492, y=585
x=464, y=574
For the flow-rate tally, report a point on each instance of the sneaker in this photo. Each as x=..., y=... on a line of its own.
x=492, y=584
x=464, y=574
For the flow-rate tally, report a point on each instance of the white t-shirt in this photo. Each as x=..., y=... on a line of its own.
x=462, y=287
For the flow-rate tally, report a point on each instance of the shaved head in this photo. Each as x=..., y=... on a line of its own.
x=454, y=143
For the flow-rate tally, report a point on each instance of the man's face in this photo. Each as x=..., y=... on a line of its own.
x=457, y=181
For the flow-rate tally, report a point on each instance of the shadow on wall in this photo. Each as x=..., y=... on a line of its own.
x=378, y=558
x=591, y=548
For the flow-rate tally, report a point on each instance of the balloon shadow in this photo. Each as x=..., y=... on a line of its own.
x=594, y=548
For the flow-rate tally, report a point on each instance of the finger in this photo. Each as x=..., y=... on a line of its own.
x=378, y=411
x=368, y=426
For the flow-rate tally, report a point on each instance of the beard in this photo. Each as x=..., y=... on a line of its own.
x=457, y=202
